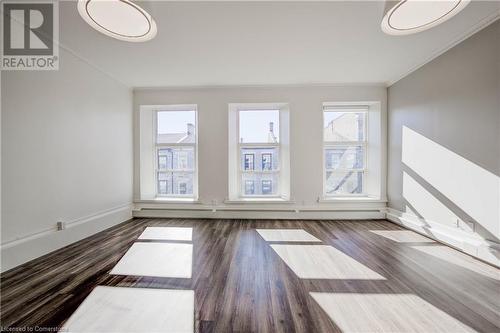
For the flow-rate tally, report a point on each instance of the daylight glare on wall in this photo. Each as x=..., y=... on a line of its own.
x=474, y=190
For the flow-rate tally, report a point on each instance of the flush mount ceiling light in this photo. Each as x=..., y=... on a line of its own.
x=120, y=19
x=406, y=17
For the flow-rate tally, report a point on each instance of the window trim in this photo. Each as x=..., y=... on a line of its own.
x=346, y=108
x=157, y=146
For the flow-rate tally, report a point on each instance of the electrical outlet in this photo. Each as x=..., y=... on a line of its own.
x=60, y=225
x=468, y=226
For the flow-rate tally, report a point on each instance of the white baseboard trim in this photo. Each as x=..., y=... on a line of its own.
x=22, y=250
x=461, y=240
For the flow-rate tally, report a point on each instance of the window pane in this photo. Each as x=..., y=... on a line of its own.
x=259, y=159
x=344, y=126
x=176, y=127
x=259, y=183
x=259, y=126
x=176, y=158
x=175, y=183
x=348, y=182
x=348, y=157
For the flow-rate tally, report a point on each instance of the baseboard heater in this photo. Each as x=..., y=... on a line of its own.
x=371, y=210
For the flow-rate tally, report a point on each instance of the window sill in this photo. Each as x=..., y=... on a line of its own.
x=258, y=201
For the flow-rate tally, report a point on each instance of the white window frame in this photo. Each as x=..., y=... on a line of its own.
x=330, y=107
x=236, y=190
x=158, y=146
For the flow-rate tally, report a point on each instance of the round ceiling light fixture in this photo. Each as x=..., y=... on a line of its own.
x=406, y=17
x=120, y=19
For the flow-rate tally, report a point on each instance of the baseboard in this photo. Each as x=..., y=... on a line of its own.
x=20, y=251
x=461, y=240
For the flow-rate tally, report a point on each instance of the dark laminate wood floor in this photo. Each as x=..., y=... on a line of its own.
x=242, y=285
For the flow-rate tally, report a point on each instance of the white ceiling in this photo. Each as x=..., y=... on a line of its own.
x=266, y=43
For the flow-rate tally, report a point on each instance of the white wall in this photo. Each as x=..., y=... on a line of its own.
x=444, y=146
x=66, y=156
x=305, y=103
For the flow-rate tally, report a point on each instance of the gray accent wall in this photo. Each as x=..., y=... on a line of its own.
x=452, y=106
x=66, y=156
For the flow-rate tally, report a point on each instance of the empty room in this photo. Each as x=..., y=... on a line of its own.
x=250, y=166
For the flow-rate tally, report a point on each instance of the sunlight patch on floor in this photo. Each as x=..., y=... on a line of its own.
x=167, y=233
x=323, y=262
x=354, y=313
x=119, y=309
x=286, y=235
x=156, y=259
x=402, y=236
x=454, y=257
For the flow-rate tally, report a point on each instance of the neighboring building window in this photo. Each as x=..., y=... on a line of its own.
x=249, y=161
x=259, y=140
x=267, y=162
x=182, y=160
x=249, y=187
x=162, y=186
x=162, y=161
x=176, y=153
x=182, y=188
x=344, y=150
x=267, y=187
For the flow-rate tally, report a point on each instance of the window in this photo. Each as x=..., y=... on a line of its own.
x=258, y=150
x=344, y=136
x=162, y=186
x=267, y=161
x=259, y=136
x=182, y=188
x=175, y=152
x=183, y=160
x=249, y=187
x=249, y=161
x=267, y=187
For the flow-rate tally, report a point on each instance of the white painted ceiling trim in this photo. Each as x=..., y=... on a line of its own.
x=285, y=85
